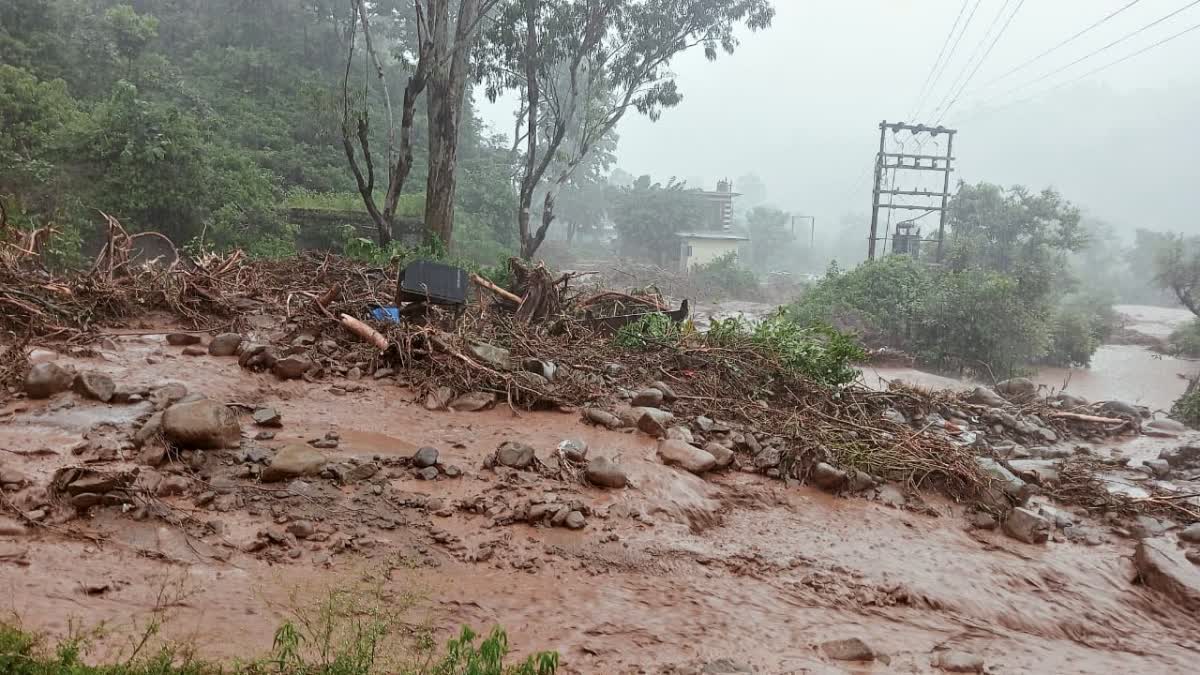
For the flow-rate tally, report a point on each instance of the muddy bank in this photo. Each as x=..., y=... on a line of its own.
x=670, y=574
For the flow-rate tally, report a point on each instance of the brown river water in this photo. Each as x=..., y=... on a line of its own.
x=671, y=574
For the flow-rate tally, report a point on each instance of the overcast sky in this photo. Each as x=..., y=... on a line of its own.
x=799, y=105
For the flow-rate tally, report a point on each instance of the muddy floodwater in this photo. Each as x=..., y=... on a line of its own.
x=1130, y=373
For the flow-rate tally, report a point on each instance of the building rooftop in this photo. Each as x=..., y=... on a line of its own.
x=725, y=236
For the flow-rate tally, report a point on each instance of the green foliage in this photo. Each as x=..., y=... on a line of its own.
x=647, y=216
x=1186, y=408
x=819, y=352
x=652, y=330
x=464, y=658
x=727, y=275
x=771, y=237
x=1186, y=339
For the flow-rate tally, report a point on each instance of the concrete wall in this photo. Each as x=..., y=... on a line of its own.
x=707, y=250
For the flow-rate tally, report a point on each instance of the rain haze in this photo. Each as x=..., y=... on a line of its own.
x=799, y=105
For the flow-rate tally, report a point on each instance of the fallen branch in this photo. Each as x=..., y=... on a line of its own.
x=484, y=283
x=1079, y=417
x=365, y=332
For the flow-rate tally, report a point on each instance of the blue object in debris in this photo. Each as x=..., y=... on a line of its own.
x=390, y=314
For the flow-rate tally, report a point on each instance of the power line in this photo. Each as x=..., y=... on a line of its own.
x=954, y=84
x=980, y=63
x=1102, y=49
x=1106, y=66
x=950, y=54
x=1062, y=44
x=938, y=60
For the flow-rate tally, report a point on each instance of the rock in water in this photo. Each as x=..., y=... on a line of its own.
x=722, y=454
x=851, y=649
x=1027, y=526
x=425, y=457
x=293, y=461
x=654, y=422
x=268, y=417
x=985, y=396
x=828, y=477
x=604, y=473
x=1120, y=408
x=439, y=398
x=647, y=398
x=182, y=339
x=225, y=344
x=1162, y=566
x=1018, y=389
x=1191, y=533
x=602, y=418
x=959, y=662
x=203, y=425
x=686, y=456
x=515, y=455
x=292, y=367
x=96, y=386
x=473, y=401
x=47, y=379
x=194, y=350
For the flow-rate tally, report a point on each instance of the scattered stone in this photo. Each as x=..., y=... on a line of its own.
x=982, y=520
x=293, y=461
x=1018, y=390
x=256, y=357
x=828, y=477
x=768, y=458
x=667, y=392
x=326, y=443
x=11, y=528
x=439, y=398
x=704, y=424
x=959, y=662
x=47, y=379
x=1120, y=409
x=545, y=369
x=1161, y=468
x=360, y=472
x=264, y=436
x=268, y=417
x=575, y=521
x=1162, y=566
x=497, y=357
x=451, y=471
x=473, y=401
x=1027, y=526
x=172, y=485
x=1191, y=533
x=86, y=500
x=985, y=396
x=428, y=473
x=168, y=394
x=292, y=367
x=1163, y=427
x=425, y=457
x=604, y=473
x=301, y=529
x=515, y=455
x=647, y=398
x=194, y=350
x=722, y=454
x=685, y=456
x=225, y=344
x=654, y=422
x=573, y=449
x=895, y=416
x=852, y=649
x=680, y=433
x=382, y=373
x=602, y=418
x=203, y=424
x=152, y=428
x=94, y=385
x=182, y=339
x=725, y=667
x=1144, y=527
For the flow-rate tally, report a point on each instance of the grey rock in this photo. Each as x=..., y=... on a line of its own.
x=1010, y=484
x=647, y=398
x=852, y=649
x=894, y=416
x=985, y=396
x=94, y=385
x=1164, y=567
x=604, y=473
x=293, y=461
x=959, y=662
x=1047, y=434
x=1161, y=468
x=473, y=401
x=428, y=473
x=168, y=394
x=686, y=456
x=47, y=379
x=667, y=392
x=497, y=357
x=1191, y=533
x=515, y=455
x=1018, y=390
x=828, y=477
x=545, y=369
x=203, y=425
x=655, y=422
x=182, y=339
x=982, y=520
x=602, y=418
x=225, y=344
x=681, y=433
x=1120, y=408
x=575, y=521
x=704, y=424
x=452, y=471
x=360, y=472
x=1145, y=527
x=725, y=667
x=722, y=454
x=439, y=398
x=301, y=529
x=152, y=428
x=573, y=449
x=292, y=367
x=268, y=417
x=194, y=350
x=768, y=458
x=1164, y=428
x=172, y=485
x=425, y=457
x=1027, y=526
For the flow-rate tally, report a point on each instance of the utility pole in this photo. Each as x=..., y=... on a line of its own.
x=906, y=162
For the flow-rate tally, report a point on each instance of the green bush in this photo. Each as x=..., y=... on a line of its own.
x=1186, y=408
x=816, y=352
x=1186, y=338
x=727, y=275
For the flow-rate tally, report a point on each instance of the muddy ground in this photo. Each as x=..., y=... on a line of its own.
x=732, y=572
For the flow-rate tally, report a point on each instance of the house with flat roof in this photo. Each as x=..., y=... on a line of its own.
x=710, y=237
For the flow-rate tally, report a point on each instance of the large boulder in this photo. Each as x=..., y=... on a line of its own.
x=473, y=401
x=515, y=455
x=94, y=385
x=1120, y=409
x=654, y=421
x=47, y=379
x=722, y=454
x=292, y=367
x=686, y=456
x=425, y=457
x=985, y=396
x=604, y=473
x=647, y=398
x=202, y=425
x=1027, y=526
x=1018, y=389
x=225, y=344
x=293, y=461
x=1161, y=565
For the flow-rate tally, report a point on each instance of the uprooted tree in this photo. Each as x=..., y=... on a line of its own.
x=580, y=65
